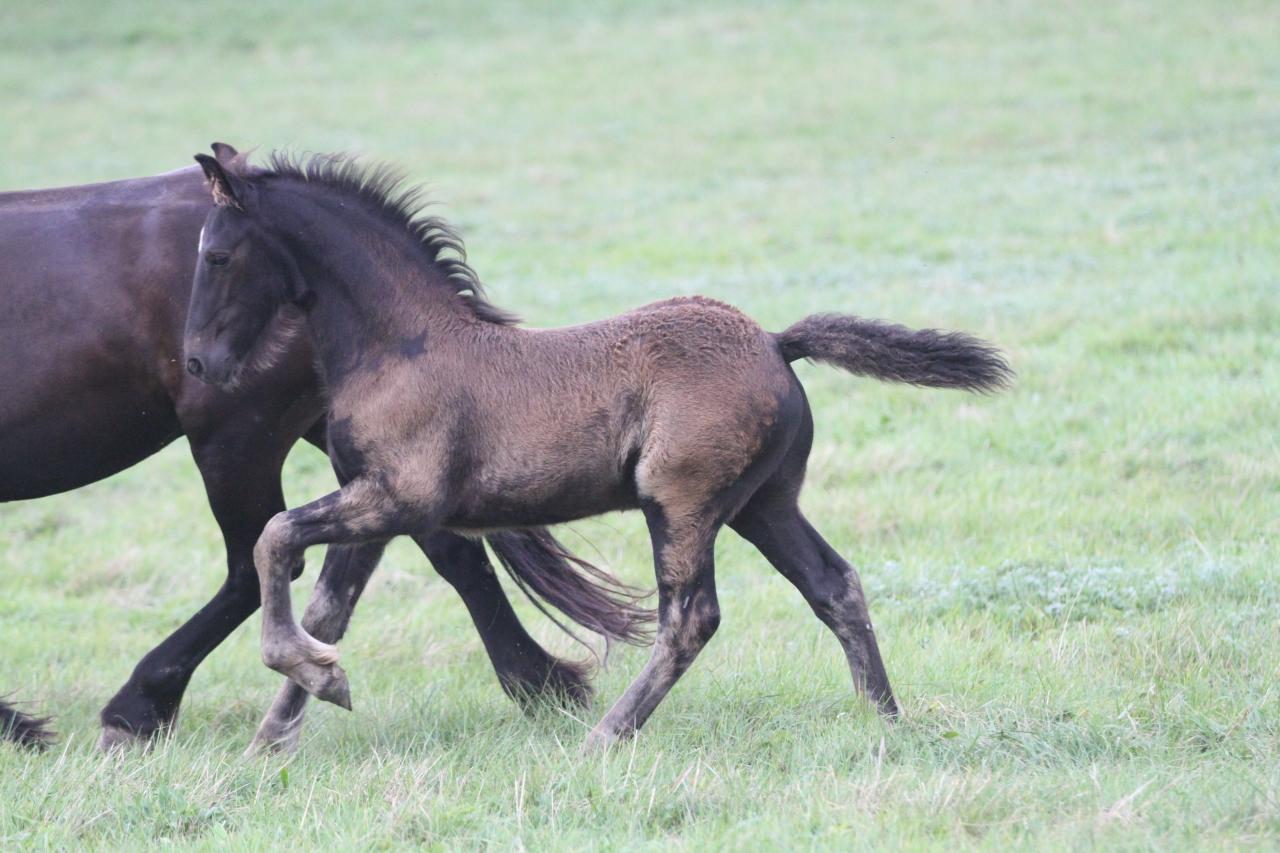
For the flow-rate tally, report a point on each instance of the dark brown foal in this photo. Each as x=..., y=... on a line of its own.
x=447, y=416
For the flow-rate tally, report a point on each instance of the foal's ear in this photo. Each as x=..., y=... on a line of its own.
x=224, y=187
x=224, y=152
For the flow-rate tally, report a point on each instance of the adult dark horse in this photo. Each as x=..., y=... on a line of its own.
x=95, y=282
x=685, y=409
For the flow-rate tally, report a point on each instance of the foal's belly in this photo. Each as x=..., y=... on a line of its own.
x=534, y=503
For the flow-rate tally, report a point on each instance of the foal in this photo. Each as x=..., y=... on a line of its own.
x=446, y=415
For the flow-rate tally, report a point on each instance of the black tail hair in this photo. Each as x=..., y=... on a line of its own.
x=23, y=728
x=548, y=572
x=897, y=354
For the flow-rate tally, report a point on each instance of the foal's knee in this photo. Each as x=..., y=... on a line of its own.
x=275, y=544
x=278, y=656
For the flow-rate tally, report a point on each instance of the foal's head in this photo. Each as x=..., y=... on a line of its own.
x=276, y=234
x=244, y=281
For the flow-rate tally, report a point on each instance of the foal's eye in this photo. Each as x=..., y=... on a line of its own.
x=217, y=259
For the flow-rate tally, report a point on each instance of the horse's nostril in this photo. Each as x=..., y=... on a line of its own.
x=195, y=366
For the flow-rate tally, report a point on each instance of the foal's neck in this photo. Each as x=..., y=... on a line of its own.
x=378, y=295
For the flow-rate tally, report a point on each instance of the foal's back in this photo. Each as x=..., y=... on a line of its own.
x=685, y=385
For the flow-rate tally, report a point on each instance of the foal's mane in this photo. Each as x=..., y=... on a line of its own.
x=384, y=190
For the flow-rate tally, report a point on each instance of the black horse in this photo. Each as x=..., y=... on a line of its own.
x=95, y=282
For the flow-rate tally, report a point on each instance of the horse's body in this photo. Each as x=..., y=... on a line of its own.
x=96, y=283
x=685, y=409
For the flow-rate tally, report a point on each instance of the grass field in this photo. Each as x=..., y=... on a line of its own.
x=1074, y=583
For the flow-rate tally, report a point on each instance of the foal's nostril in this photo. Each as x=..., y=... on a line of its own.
x=195, y=366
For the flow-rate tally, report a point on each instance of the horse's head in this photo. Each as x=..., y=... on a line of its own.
x=245, y=278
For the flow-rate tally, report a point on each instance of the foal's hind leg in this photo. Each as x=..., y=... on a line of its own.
x=688, y=614
x=773, y=523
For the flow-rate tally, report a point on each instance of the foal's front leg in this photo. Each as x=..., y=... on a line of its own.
x=358, y=512
x=342, y=580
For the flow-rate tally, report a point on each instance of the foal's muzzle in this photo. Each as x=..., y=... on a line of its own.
x=211, y=365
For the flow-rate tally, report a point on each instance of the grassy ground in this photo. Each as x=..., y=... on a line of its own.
x=1074, y=583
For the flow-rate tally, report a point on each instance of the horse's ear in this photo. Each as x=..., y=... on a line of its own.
x=224, y=152
x=221, y=183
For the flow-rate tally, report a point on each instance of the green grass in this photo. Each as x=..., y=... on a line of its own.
x=1074, y=583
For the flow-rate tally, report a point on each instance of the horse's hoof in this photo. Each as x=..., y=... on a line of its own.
x=118, y=739
x=570, y=684
x=565, y=685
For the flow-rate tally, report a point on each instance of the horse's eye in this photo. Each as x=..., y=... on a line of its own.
x=217, y=260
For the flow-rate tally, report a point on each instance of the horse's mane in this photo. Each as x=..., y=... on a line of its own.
x=383, y=189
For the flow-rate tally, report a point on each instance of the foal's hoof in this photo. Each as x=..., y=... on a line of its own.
x=889, y=709
x=274, y=738
x=599, y=740
x=323, y=681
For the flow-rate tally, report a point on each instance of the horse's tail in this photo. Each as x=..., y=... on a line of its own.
x=23, y=728
x=897, y=354
x=548, y=572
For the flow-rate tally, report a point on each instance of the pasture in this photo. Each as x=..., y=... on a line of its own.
x=1073, y=583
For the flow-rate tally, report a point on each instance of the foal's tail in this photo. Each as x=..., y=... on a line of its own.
x=23, y=729
x=548, y=572
x=897, y=354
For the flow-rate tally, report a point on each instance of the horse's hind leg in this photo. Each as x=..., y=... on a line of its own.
x=525, y=670
x=772, y=522
x=688, y=614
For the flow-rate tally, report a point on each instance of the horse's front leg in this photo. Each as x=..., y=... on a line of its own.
x=240, y=464
x=358, y=512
